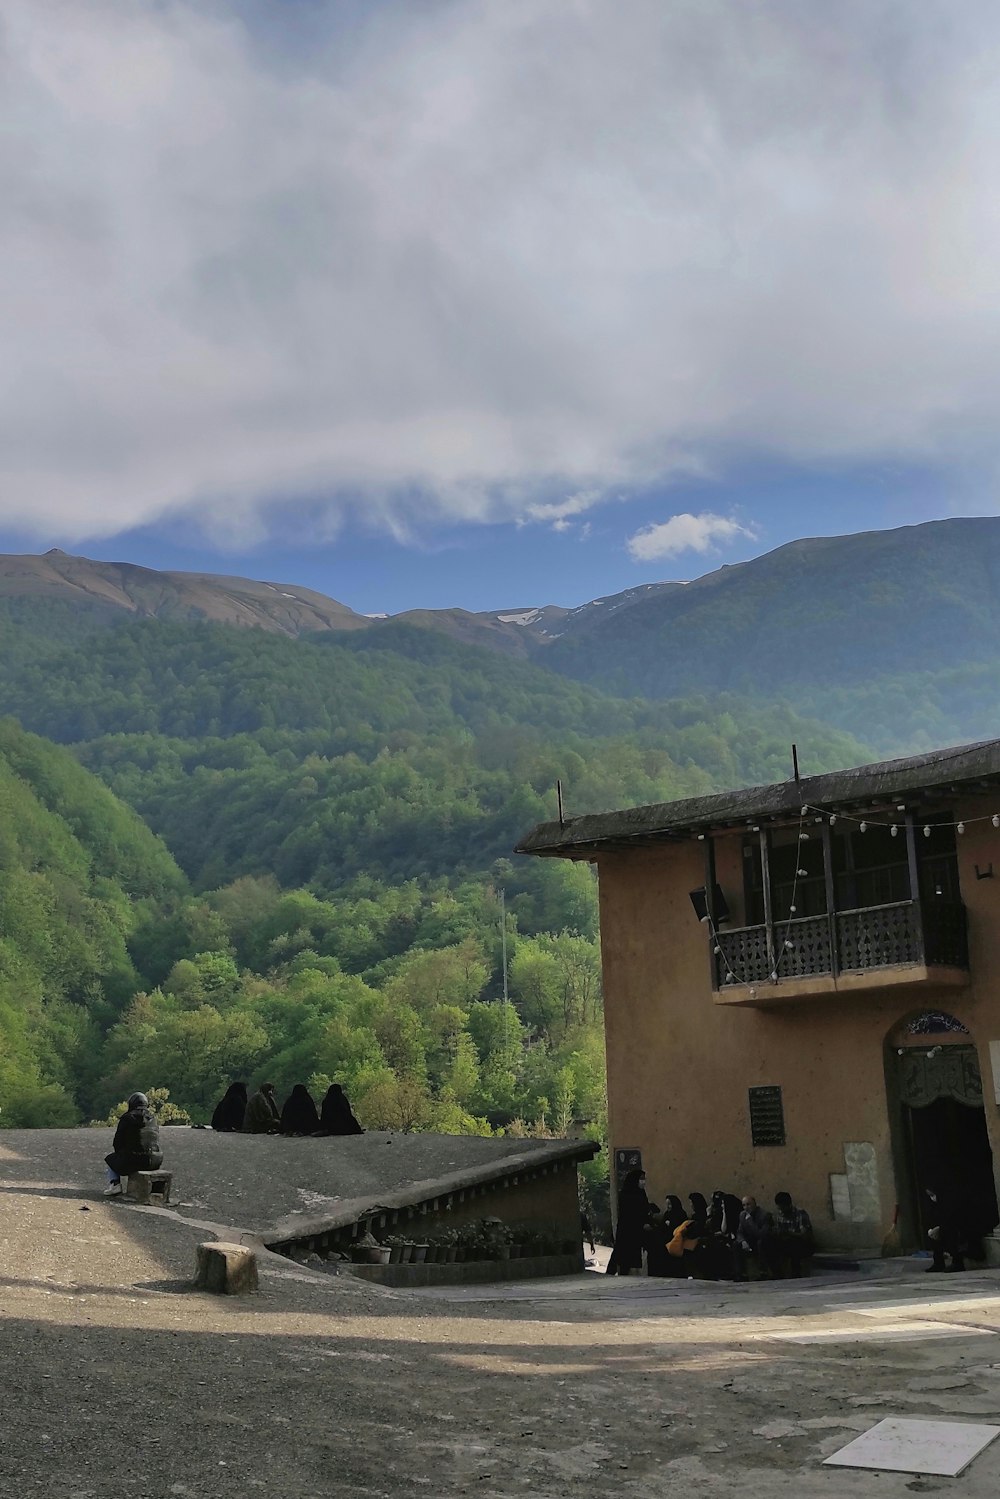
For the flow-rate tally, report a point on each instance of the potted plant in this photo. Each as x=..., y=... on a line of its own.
x=469, y=1245
x=495, y=1238
x=418, y=1254
x=394, y=1243
x=449, y=1246
x=368, y=1251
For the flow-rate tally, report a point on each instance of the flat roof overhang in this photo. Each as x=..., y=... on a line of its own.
x=967, y=771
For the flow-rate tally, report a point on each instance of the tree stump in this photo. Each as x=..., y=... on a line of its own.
x=226, y=1269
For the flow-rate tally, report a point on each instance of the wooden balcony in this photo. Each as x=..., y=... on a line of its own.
x=912, y=943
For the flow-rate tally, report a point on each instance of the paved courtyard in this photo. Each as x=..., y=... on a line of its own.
x=119, y=1380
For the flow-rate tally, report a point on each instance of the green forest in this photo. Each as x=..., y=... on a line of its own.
x=236, y=854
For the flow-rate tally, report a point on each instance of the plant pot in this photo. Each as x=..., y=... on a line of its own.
x=372, y=1254
x=405, y=1252
x=503, y=1253
x=419, y=1253
x=395, y=1250
x=451, y=1254
x=460, y=1256
x=515, y=1251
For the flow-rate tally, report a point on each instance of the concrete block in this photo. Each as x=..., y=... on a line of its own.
x=227, y=1269
x=151, y=1187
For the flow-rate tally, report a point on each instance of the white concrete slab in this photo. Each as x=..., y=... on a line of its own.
x=940, y=1304
x=896, y=1332
x=940, y=1448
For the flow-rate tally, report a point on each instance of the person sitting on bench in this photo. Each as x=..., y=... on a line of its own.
x=136, y=1146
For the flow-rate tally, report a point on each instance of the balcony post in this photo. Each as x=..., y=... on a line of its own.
x=765, y=877
x=715, y=964
x=831, y=897
x=914, y=869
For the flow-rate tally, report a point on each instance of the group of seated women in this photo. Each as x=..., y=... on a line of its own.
x=259, y=1113
x=719, y=1240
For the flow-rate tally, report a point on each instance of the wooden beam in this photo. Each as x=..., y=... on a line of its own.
x=913, y=864
x=765, y=877
x=831, y=895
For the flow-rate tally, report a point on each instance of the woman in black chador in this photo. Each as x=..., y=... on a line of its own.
x=336, y=1117
x=658, y=1261
x=299, y=1116
x=230, y=1110
x=634, y=1214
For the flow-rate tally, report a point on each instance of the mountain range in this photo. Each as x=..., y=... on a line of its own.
x=893, y=636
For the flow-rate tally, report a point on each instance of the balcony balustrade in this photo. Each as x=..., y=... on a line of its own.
x=908, y=933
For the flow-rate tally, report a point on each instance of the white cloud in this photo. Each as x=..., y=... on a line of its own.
x=685, y=533
x=560, y=514
x=461, y=259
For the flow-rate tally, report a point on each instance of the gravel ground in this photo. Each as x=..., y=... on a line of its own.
x=119, y=1380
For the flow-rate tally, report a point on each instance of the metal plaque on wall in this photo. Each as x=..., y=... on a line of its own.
x=626, y=1161
x=767, y=1117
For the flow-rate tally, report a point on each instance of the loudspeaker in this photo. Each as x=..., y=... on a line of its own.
x=700, y=903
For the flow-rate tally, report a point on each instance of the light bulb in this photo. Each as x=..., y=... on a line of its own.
x=803, y=874
x=833, y=821
x=864, y=827
x=996, y=819
x=961, y=827
x=790, y=946
x=793, y=909
x=894, y=830
x=927, y=831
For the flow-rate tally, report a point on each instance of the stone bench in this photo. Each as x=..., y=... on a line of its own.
x=152, y=1188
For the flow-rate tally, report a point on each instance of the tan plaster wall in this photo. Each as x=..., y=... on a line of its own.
x=679, y=1065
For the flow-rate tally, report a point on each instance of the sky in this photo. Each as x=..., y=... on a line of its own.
x=487, y=305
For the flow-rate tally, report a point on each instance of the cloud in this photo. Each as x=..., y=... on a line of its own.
x=560, y=514
x=452, y=262
x=685, y=533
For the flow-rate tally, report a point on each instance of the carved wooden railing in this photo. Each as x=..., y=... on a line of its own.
x=879, y=937
x=742, y=957
x=905, y=932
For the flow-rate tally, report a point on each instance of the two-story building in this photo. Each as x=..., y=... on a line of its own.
x=802, y=988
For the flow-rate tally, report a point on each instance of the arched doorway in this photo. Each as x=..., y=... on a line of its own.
x=940, y=1132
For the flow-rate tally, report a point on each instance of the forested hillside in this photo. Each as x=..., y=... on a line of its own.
x=400, y=754
x=79, y=874
x=890, y=635
x=343, y=807
x=113, y=975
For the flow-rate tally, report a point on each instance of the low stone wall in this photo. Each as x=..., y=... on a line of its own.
x=469, y=1272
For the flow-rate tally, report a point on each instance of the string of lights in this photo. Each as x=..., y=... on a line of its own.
x=784, y=946
x=863, y=823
